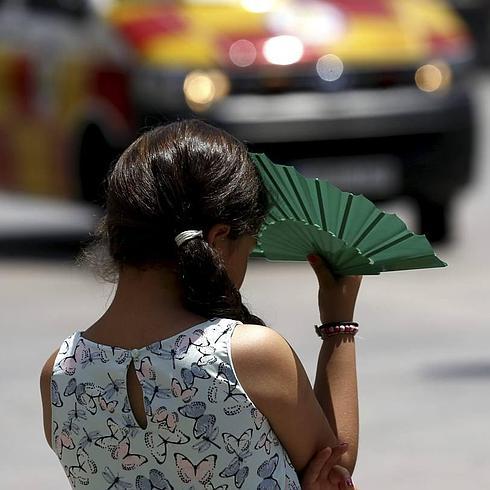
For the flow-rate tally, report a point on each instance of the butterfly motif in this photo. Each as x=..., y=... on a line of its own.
x=224, y=389
x=152, y=390
x=85, y=393
x=258, y=417
x=195, y=410
x=115, y=386
x=178, y=351
x=157, y=481
x=157, y=442
x=196, y=371
x=77, y=413
x=145, y=369
x=122, y=453
x=165, y=418
x=185, y=394
x=107, y=406
x=266, y=471
x=65, y=347
x=55, y=395
x=132, y=428
x=117, y=434
x=207, y=440
x=203, y=346
x=63, y=440
x=202, y=473
x=69, y=363
x=266, y=440
x=115, y=482
x=89, y=438
x=91, y=356
x=207, y=356
x=77, y=474
x=240, y=448
x=122, y=357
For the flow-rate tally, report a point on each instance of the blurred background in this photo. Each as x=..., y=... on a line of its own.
x=388, y=98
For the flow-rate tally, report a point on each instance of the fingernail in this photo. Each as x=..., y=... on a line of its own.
x=343, y=445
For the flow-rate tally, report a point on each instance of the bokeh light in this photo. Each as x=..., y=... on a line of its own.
x=283, y=50
x=243, y=53
x=329, y=67
x=202, y=88
x=434, y=76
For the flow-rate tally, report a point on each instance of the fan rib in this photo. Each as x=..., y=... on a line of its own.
x=389, y=244
x=368, y=230
x=281, y=193
x=298, y=196
x=345, y=216
x=320, y=203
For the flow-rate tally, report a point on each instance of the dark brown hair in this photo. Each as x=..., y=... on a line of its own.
x=185, y=175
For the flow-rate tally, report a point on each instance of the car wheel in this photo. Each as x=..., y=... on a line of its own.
x=95, y=159
x=434, y=219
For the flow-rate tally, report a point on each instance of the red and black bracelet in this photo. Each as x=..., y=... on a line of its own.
x=334, y=328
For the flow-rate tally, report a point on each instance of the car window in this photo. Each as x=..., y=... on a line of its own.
x=76, y=9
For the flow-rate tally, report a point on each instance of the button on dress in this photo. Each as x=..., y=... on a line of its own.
x=203, y=431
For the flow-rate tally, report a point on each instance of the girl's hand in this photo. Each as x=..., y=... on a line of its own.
x=322, y=472
x=336, y=297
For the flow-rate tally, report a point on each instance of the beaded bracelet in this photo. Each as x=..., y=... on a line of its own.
x=334, y=328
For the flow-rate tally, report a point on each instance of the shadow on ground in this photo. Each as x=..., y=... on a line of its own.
x=455, y=370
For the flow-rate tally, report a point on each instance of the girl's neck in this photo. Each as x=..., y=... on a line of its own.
x=146, y=307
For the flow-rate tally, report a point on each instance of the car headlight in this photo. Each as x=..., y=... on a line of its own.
x=434, y=76
x=283, y=50
x=204, y=87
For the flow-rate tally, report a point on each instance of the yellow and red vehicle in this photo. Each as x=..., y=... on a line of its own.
x=370, y=94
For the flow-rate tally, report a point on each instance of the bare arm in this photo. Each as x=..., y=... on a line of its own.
x=273, y=376
x=45, y=383
x=336, y=376
x=336, y=391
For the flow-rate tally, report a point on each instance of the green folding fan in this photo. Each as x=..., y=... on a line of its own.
x=349, y=231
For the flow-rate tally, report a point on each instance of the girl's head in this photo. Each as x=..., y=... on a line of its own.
x=187, y=175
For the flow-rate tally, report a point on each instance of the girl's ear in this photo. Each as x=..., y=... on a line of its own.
x=217, y=236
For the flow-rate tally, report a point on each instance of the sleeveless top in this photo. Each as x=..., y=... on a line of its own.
x=203, y=431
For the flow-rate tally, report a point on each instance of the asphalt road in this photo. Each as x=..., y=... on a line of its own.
x=423, y=349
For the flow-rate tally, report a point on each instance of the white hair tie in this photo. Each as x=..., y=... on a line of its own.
x=187, y=235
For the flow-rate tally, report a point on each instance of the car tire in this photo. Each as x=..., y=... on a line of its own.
x=435, y=219
x=439, y=170
x=95, y=159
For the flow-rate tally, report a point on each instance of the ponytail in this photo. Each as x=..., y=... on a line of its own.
x=207, y=288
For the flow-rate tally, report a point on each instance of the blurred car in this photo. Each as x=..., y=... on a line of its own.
x=370, y=94
x=476, y=13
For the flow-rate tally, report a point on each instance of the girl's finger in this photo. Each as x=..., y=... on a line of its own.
x=314, y=467
x=340, y=477
x=337, y=453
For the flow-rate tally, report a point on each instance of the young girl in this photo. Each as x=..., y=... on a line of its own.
x=178, y=385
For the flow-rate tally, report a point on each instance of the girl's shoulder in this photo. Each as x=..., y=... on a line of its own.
x=260, y=356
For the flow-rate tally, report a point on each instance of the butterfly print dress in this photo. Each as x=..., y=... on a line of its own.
x=203, y=431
